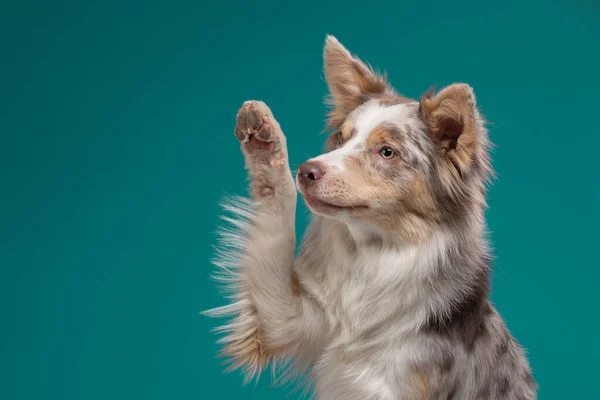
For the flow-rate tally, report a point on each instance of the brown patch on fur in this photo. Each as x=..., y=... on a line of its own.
x=250, y=352
x=410, y=227
x=415, y=216
x=346, y=132
x=262, y=187
x=267, y=191
x=339, y=136
x=421, y=200
x=379, y=135
x=419, y=386
x=245, y=347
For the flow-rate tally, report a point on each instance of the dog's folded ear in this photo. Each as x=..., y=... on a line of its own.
x=351, y=82
x=453, y=120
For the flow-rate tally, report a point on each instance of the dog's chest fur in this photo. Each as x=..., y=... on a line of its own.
x=380, y=343
x=373, y=297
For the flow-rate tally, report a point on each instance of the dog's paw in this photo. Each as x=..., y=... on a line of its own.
x=260, y=134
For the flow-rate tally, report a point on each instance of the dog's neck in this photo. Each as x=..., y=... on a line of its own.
x=449, y=269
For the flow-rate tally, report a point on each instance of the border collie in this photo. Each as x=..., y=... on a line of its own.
x=388, y=295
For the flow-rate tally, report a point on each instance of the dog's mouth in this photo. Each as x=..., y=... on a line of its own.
x=319, y=205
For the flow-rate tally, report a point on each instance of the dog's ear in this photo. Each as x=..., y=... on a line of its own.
x=351, y=82
x=454, y=122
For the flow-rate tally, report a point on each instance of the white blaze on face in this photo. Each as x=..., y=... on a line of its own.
x=369, y=118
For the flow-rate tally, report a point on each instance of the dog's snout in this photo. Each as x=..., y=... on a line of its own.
x=310, y=172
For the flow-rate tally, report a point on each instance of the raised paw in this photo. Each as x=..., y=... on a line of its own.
x=257, y=129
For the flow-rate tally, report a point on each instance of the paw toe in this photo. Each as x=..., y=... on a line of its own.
x=266, y=130
x=250, y=119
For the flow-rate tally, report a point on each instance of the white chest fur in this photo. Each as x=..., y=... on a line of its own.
x=374, y=299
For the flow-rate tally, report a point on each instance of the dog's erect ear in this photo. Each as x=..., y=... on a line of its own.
x=350, y=81
x=453, y=120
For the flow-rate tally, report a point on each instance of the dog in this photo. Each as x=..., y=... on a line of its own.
x=388, y=295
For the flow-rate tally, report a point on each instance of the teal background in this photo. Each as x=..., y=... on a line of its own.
x=116, y=144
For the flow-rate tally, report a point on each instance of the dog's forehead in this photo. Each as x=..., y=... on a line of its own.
x=373, y=114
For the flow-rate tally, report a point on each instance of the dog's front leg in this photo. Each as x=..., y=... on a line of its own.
x=271, y=317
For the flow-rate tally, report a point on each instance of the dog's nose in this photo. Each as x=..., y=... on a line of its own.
x=310, y=172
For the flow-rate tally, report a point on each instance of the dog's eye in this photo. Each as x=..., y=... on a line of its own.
x=386, y=152
x=340, y=138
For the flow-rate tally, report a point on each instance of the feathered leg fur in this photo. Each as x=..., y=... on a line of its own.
x=269, y=314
